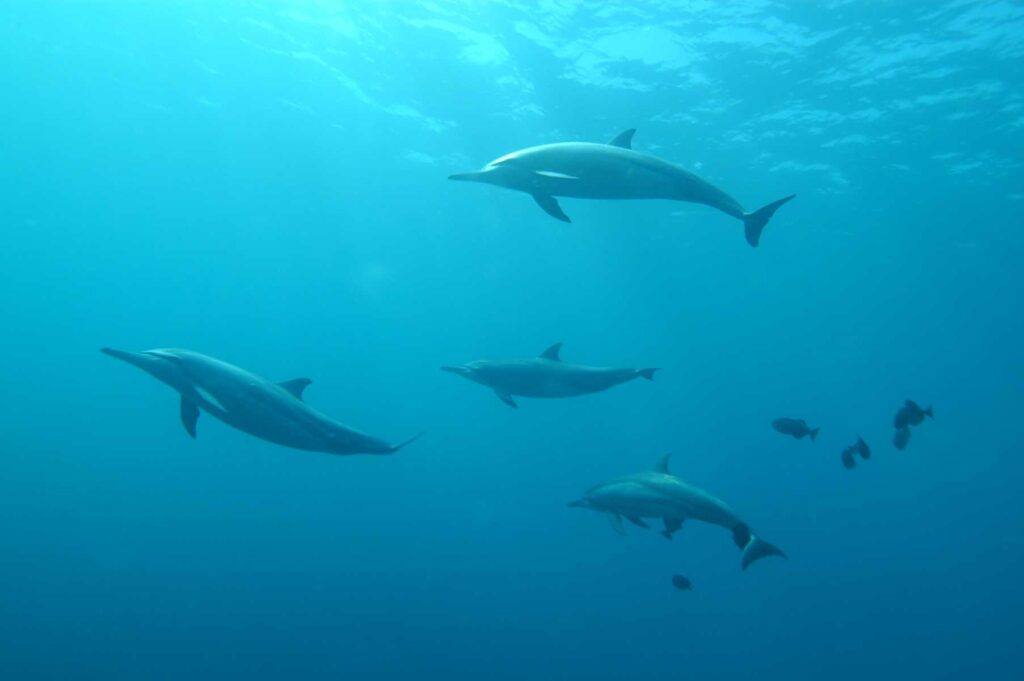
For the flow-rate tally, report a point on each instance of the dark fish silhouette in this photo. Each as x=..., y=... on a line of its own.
x=681, y=583
x=911, y=414
x=862, y=448
x=847, y=457
x=797, y=428
x=901, y=438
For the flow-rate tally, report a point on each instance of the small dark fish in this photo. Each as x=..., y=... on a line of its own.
x=901, y=438
x=681, y=583
x=847, y=457
x=911, y=414
x=862, y=448
x=798, y=428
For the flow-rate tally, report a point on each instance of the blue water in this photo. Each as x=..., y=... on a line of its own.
x=266, y=183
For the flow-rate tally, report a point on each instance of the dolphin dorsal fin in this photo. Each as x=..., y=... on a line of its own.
x=552, y=353
x=295, y=386
x=662, y=465
x=624, y=139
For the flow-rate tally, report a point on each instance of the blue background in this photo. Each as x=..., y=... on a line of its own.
x=265, y=182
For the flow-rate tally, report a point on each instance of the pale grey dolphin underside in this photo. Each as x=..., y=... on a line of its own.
x=587, y=170
x=270, y=411
x=657, y=494
x=544, y=376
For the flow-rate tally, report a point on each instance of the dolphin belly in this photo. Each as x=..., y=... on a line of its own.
x=531, y=378
x=280, y=419
x=552, y=387
x=253, y=409
x=559, y=379
x=584, y=170
x=633, y=498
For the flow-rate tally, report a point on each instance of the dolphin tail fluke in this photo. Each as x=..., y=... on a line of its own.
x=757, y=549
x=814, y=433
x=929, y=413
x=754, y=222
x=647, y=373
x=400, y=445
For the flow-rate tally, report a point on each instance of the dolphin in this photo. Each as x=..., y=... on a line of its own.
x=544, y=376
x=586, y=170
x=660, y=495
x=270, y=411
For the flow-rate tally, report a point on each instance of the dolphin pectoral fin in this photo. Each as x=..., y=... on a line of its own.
x=550, y=206
x=758, y=548
x=189, y=416
x=672, y=525
x=637, y=521
x=296, y=386
x=507, y=399
x=624, y=139
x=754, y=222
x=616, y=520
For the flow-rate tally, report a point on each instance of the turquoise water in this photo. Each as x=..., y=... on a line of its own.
x=267, y=183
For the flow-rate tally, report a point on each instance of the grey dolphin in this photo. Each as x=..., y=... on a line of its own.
x=660, y=495
x=544, y=376
x=586, y=170
x=270, y=411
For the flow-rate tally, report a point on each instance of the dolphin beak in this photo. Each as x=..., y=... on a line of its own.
x=461, y=371
x=466, y=177
x=575, y=504
x=139, y=359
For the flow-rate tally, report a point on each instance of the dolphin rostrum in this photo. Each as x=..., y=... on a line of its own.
x=586, y=170
x=660, y=495
x=270, y=411
x=544, y=376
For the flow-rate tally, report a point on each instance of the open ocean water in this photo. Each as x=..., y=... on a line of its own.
x=266, y=182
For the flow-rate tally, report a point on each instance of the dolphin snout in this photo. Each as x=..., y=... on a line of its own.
x=576, y=504
x=462, y=371
x=132, y=357
x=465, y=177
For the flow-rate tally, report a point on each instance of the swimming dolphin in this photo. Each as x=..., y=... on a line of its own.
x=267, y=410
x=544, y=376
x=659, y=494
x=586, y=170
